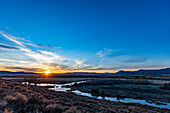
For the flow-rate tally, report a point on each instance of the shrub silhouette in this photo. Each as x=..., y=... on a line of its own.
x=19, y=99
x=53, y=108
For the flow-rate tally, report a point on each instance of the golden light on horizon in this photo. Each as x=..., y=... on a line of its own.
x=47, y=72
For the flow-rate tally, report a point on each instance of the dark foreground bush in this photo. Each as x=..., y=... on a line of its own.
x=95, y=92
x=17, y=100
x=166, y=86
x=53, y=109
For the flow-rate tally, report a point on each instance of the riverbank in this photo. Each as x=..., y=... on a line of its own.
x=24, y=98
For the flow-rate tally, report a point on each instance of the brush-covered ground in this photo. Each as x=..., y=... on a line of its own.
x=18, y=98
x=138, y=89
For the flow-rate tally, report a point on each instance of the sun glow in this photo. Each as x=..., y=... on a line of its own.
x=47, y=72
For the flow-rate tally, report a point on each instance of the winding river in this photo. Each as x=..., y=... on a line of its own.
x=61, y=87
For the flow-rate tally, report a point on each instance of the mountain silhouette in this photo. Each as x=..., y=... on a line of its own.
x=145, y=72
x=9, y=72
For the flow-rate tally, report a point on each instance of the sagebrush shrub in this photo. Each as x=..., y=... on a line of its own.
x=53, y=108
x=18, y=99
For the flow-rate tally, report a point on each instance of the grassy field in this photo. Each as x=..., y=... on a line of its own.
x=25, y=99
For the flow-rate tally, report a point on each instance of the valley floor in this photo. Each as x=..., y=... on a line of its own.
x=20, y=98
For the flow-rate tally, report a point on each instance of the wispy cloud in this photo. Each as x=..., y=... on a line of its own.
x=8, y=47
x=105, y=52
x=24, y=68
x=78, y=63
x=133, y=58
x=50, y=47
x=10, y=60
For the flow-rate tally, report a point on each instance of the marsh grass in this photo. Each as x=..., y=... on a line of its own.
x=126, y=89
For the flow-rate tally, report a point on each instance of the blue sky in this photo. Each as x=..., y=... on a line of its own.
x=84, y=35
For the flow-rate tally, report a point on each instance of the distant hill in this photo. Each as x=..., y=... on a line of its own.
x=145, y=72
x=8, y=72
x=121, y=72
x=88, y=73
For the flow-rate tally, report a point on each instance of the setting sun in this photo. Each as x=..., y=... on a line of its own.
x=47, y=72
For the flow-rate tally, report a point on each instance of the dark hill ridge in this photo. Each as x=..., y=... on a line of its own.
x=9, y=72
x=121, y=72
x=145, y=72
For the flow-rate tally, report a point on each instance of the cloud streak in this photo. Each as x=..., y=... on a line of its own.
x=23, y=68
x=133, y=59
x=8, y=47
x=106, y=52
x=42, y=46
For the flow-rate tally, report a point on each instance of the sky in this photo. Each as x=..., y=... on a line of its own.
x=84, y=35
